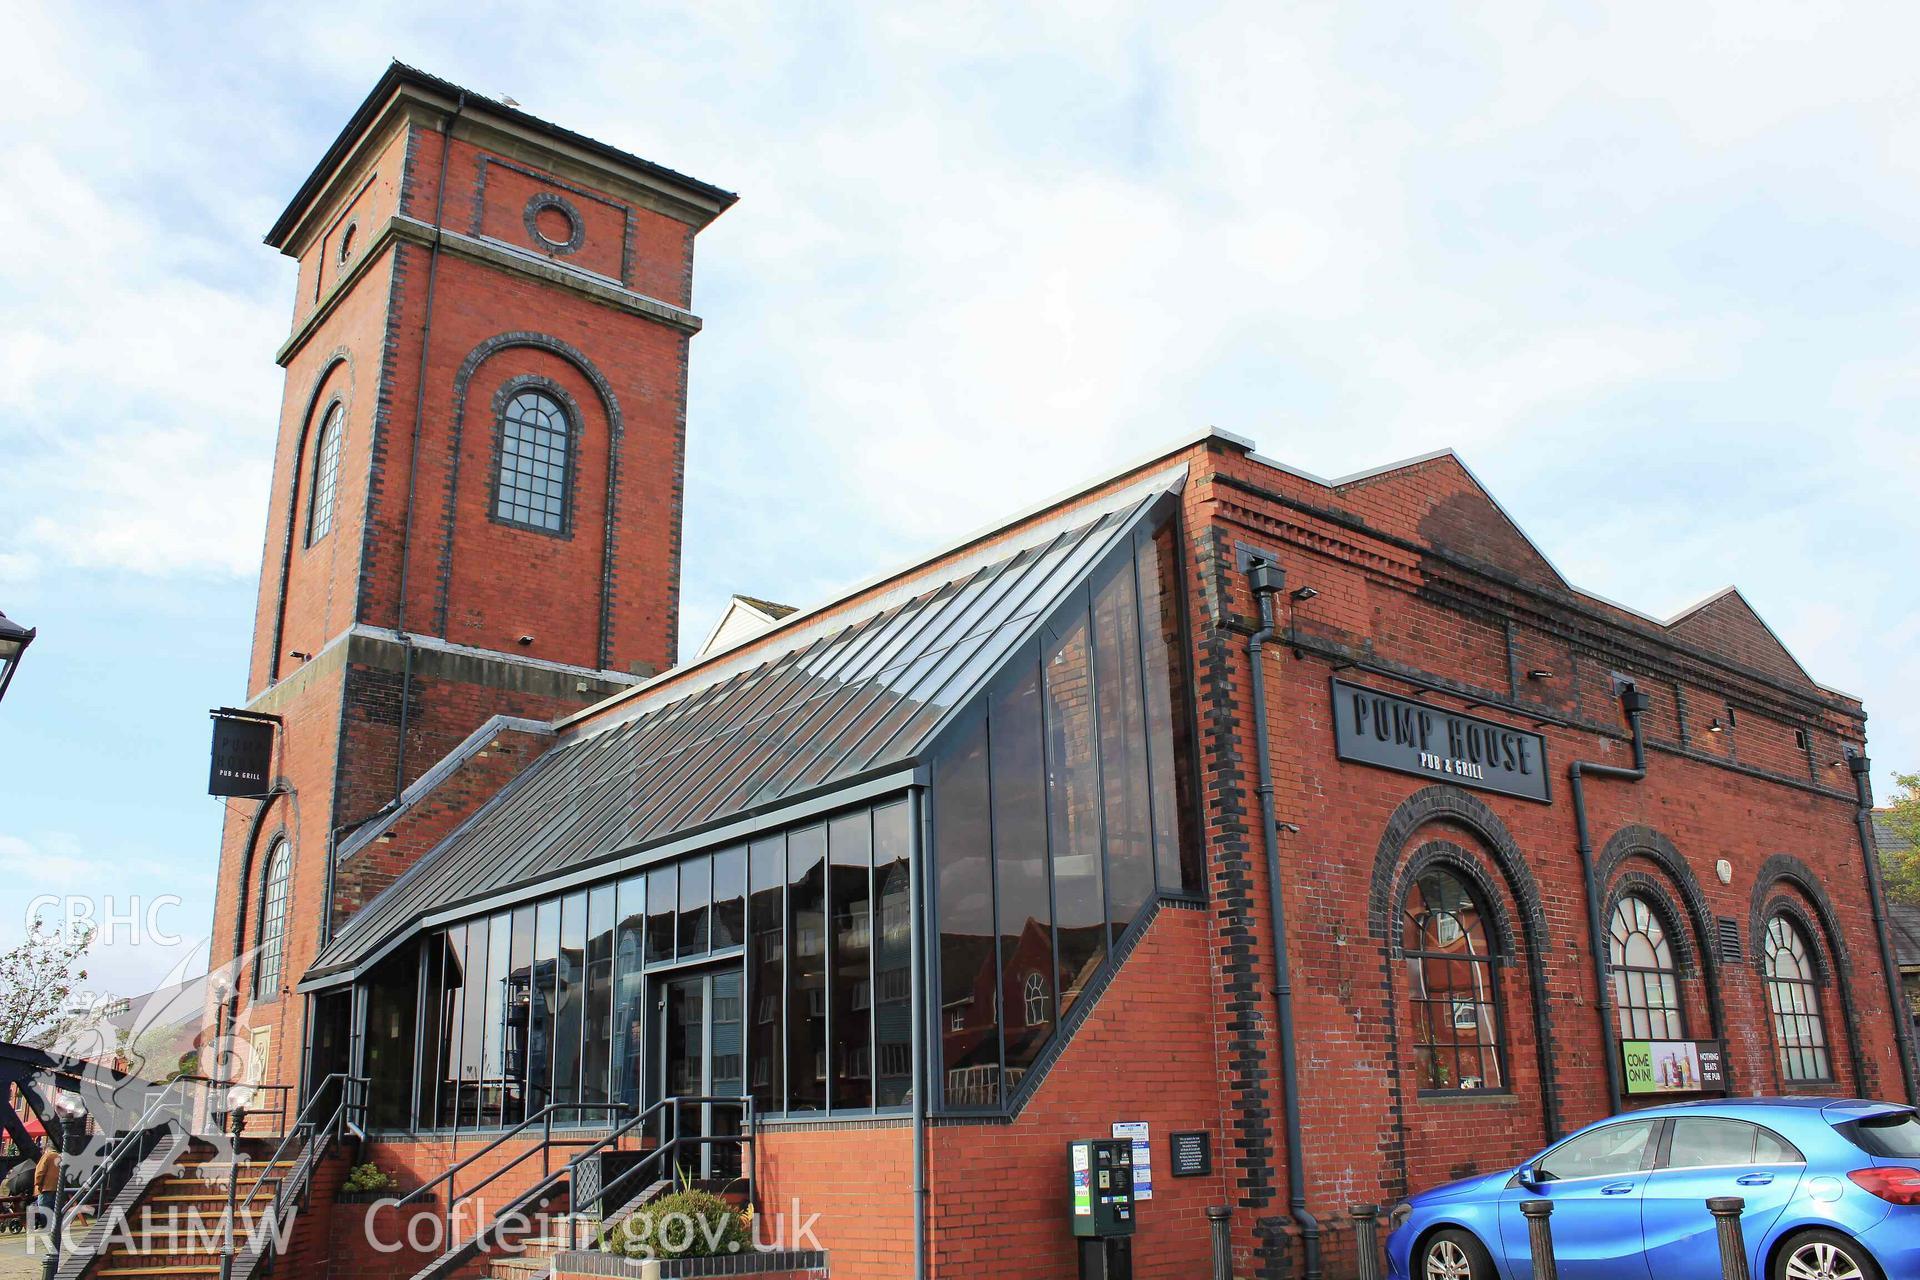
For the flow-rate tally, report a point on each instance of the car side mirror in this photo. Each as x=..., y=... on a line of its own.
x=1528, y=1177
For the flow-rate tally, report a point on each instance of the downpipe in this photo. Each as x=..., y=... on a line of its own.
x=1267, y=580
x=1897, y=1005
x=919, y=843
x=1634, y=703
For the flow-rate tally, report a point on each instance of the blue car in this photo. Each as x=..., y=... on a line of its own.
x=1832, y=1191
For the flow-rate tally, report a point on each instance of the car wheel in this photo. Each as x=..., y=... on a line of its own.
x=1823, y=1255
x=1453, y=1254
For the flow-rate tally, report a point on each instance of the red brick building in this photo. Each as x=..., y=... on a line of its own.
x=993, y=852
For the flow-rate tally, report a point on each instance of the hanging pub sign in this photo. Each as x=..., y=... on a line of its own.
x=1674, y=1066
x=1381, y=729
x=242, y=753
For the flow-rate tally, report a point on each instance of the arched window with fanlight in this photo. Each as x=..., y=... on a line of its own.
x=326, y=474
x=1646, y=982
x=535, y=482
x=1452, y=986
x=273, y=922
x=1033, y=992
x=1793, y=998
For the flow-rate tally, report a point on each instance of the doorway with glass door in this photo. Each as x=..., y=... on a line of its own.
x=698, y=1022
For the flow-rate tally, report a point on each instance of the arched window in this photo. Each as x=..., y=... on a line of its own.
x=1646, y=984
x=1034, y=993
x=273, y=923
x=1793, y=995
x=326, y=474
x=536, y=463
x=1452, y=993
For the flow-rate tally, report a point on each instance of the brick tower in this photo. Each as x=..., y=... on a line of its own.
x=476, y=499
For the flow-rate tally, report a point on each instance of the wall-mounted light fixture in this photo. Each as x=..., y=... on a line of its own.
x=304, y=657
x=524, y=641
x=1303, y=593
x=1540, y=673
x=1716, y=726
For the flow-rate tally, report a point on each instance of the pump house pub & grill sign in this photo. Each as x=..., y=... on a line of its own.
x=1381, y=729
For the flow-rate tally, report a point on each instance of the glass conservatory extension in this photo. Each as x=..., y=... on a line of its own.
x=1004, y=747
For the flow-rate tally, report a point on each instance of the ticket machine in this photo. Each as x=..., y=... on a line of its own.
x=1102, y=1206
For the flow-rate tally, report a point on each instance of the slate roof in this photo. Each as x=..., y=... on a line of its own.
x=768, y=607
x=819, y=703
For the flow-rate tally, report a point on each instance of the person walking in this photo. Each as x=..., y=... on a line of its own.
x=46, y=1185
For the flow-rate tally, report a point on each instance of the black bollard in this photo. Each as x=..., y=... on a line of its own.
x=1540, y=1238
x=1366, y=1240
x=1222, y=1246
x=1726, y=1212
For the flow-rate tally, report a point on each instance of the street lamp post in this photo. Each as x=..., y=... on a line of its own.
x=14, y=640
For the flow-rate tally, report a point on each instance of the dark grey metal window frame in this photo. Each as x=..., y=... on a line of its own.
x=845, y=708
x=1491, y=959
x=1079, y=596
x=324, y=495
x=1810, y=988
x=276, y=886
x=1666, y=971
x=652, y=972
x=568, y=412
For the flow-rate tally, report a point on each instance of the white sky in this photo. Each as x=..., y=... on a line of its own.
x=1650, y=268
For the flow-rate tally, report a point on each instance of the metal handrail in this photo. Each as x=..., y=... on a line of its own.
x=103, y=1171
x=668, y=1143
x=100, y=1187
x=665, y=1147
x=283, y=1195
x=544, y=1117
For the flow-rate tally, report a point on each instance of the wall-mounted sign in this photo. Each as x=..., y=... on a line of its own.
x=242, y=755
x=1674, y=1066
x=1136, y=1131
x=1192, y=1154
x=1381, y=729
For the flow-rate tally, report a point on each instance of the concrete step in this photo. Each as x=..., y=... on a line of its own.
x=161, y=1258
x=524, y=1268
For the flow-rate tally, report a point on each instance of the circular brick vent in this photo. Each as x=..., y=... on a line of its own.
x=554, y=223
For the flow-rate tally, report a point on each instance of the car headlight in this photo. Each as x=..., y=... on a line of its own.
x=1398, y=1215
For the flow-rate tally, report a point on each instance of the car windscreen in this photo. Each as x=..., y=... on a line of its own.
x=1895, y=1134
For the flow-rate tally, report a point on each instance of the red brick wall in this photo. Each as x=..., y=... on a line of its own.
x=1147, y=1052
x=376, y=864
x=470, y=579
x=304, y=758
x=1746, y=795
x=860, y=1183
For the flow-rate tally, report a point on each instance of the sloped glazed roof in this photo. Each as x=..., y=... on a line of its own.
x=849, y=695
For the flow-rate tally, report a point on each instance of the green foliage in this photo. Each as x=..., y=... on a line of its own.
x=682, y=1224
x=37, y=986
x=1901, y=867
x=368, y=1177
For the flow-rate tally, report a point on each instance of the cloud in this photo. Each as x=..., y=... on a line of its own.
x=48, y=860
x=1651, y=272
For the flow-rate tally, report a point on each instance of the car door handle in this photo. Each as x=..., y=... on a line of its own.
x=1755, y=1180
x=1617, y=1188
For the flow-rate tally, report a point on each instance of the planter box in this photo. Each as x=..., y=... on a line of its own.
x=374, y=1197
x=780, y=1264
